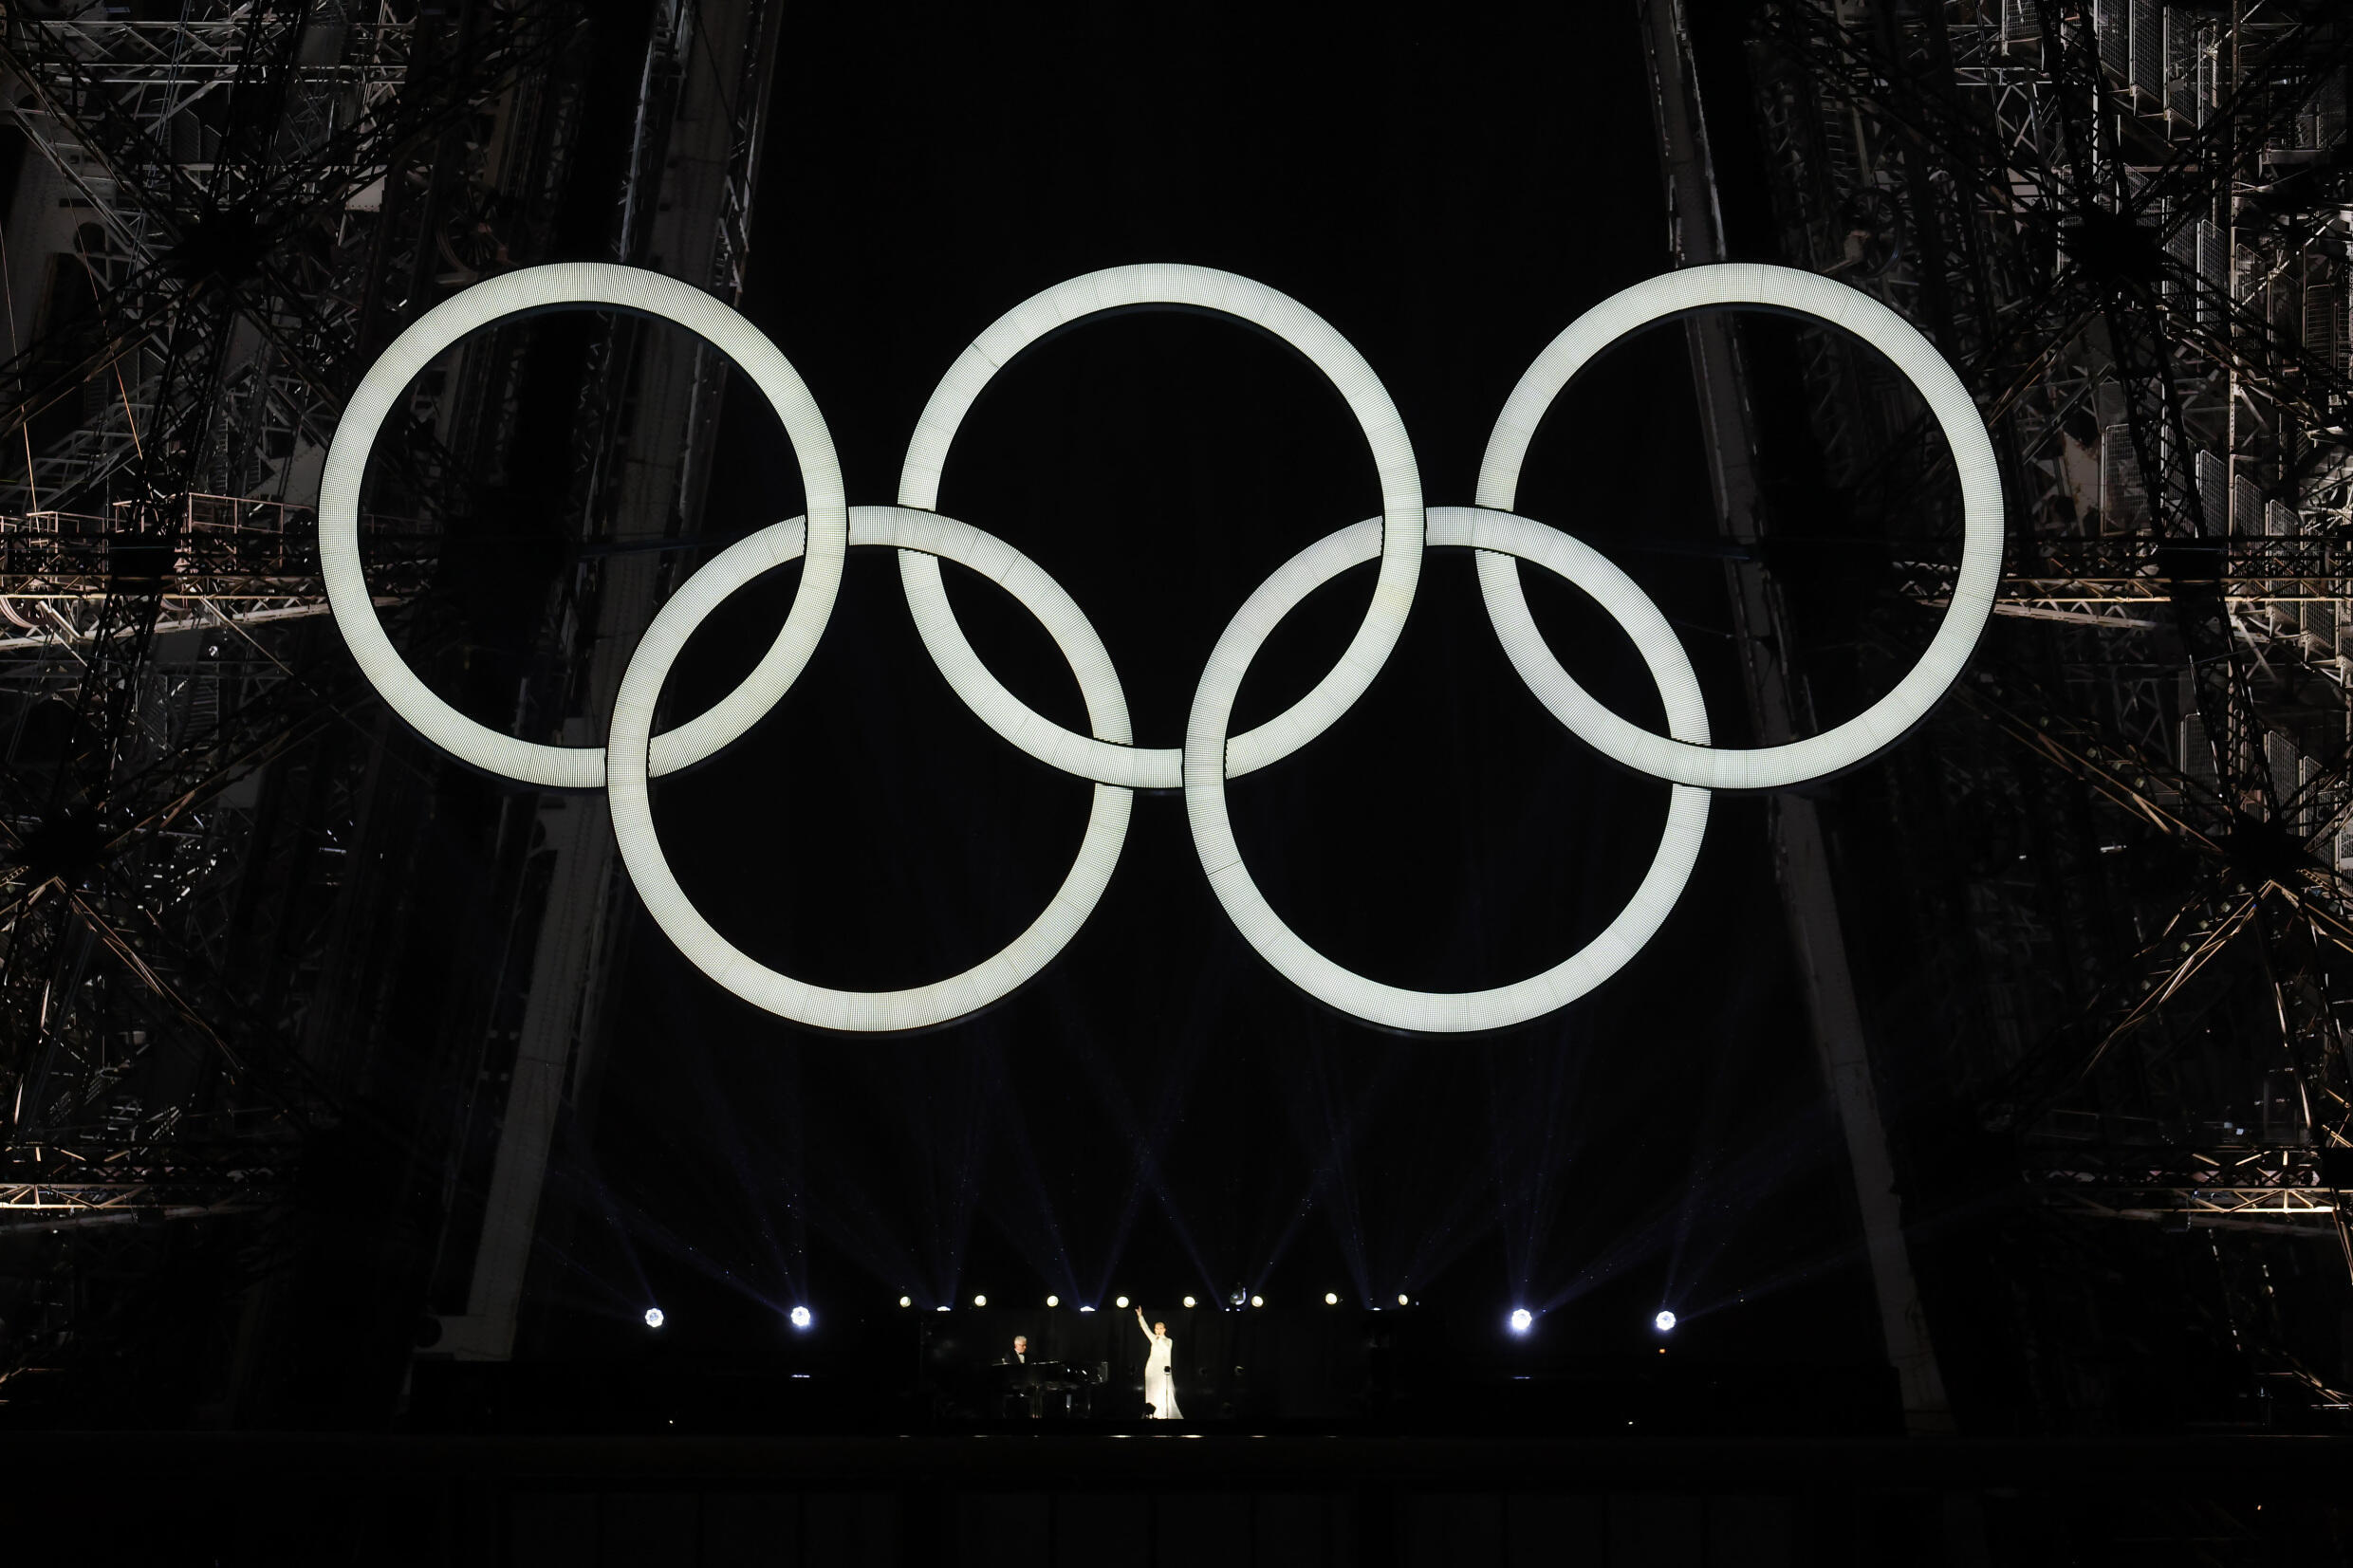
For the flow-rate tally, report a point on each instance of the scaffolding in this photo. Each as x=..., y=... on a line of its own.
x=210, y=931
x=2127, y=226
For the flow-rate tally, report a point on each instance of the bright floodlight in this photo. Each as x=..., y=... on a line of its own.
x=1402, y=1300
x=1121, y=1303
x=1053, y=1301
x=653, y=1317
x=1664, y=1322
x=980, y=1300
x=1330, y=1299
x=800, y=1316
x=906, y=1302
x=1522, y=1320
x=1258, y=1301
x=1188, y=1300
x=1086, y=1309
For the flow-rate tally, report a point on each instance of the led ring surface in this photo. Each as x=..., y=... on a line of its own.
x=1776, y=287
x=919, y=1006
x=578, y=284
x=1107, y=755
x=1438, y=1012
x=1226, y=294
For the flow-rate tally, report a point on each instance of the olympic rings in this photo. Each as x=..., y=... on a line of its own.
x=634, y=754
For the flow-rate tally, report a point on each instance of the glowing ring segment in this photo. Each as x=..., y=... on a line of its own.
x=1774, y=287
x=921, y=1006
x=564, y=285
x=1226, y=294
x=1438, y=1012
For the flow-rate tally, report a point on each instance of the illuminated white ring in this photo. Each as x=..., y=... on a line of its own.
x=1226, y=293
x=921, y=1006
x=1884, y=722
x=1435, y=1012
x=536, y=288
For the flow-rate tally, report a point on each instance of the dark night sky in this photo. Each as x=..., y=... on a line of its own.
x=1160, y=1112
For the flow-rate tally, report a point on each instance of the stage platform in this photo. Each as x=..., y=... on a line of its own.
x=1151, y=1496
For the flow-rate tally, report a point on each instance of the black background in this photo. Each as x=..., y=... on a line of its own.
x=1160, y=1113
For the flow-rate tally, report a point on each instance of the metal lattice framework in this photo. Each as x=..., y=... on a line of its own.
x=234, y=564
x=204, y=815
x=260, y=194
x=2126, y=224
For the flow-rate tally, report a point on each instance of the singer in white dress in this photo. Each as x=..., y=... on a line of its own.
x=1160, y=1372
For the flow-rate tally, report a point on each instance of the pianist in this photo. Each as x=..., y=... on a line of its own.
x=1025, y=1393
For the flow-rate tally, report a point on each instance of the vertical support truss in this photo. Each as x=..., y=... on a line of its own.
x=1802, y=852
x=642, y=447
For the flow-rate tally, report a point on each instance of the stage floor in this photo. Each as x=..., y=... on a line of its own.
x=1155, y=1495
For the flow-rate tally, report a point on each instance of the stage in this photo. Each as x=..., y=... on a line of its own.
x=1440, y=1369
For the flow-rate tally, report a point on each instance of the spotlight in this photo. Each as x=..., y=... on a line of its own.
x=980, y=1300
x=800, y=1316
x=1188, y=1300
x=1258, y=1301
x=1053, y=1301
x=1086, y=1309
x=1522, y=1320
x=1239, y=1299
x=1120, y=1303
x=905, y=1301
x=1402, y=1300
x=1664, y=1322
x=653, y=1317
x=1330, y=1299
x=942, y=1307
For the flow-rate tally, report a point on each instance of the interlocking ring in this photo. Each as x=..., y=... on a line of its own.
x=864, y=1012
x=1107, y=755
x=1225, y=294
x=1442, y=1012
x=575, y=284
x=1886, y=721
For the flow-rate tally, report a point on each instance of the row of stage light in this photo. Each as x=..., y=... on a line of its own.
x=1233, y=1303
x=1520, y=1321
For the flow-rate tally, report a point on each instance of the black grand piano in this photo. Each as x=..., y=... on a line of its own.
x=1039, y=1388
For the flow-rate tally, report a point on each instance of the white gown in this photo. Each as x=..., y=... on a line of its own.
x=1161, y=1379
